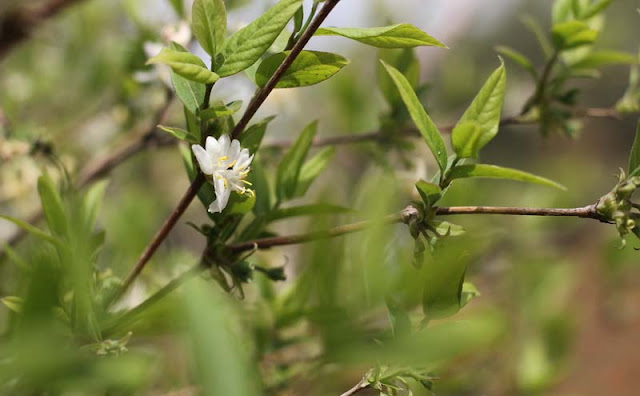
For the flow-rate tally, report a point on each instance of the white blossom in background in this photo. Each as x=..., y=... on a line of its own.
x=226, y=166
x=178, y=32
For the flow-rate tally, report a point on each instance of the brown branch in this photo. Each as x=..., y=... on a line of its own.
x=357, y=388
x=253, y=107
x=588, y=212
x=19, y=24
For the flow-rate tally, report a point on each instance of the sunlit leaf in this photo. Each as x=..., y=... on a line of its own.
x=309, y=68
x=396, y=36
x=209, y=21
x=186, y=65
x=179, y=134
x=498, y=172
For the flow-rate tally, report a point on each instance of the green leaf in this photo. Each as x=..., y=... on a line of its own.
x=14, y=303
x=221, y=356
x=312, y=169
x=485, y=111
x=209, y=22
x=260, y=185
x=634, y=156
x=534, y=27
x=186, y=65
x=448, y=229
x=469, y=292
x=595, y=9
x=52, y=206
x=12, y=255
x=240, y=204
x=406, y=62
x=597, y=59
x=572, y=34
x=518, y=58
x=247, y=45
x=221, y=110
x=32, y=230
x=179, y=134
x=465, y=138
x=430, y=192
x=427, y=128
x=291, y=164
x=306, y=210
x=442, y=293
x=396, y=36
x=190, y=93
x=309, y=68
x=562, y=11
x=93, y=200
x=498, y=172
x=251, y=138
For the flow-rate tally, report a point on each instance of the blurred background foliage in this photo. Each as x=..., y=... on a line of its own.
x=558, y=306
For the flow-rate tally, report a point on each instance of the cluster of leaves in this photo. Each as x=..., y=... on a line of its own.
x=569, y=54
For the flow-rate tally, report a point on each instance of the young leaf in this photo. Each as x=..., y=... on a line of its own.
x=498, y=172
x=209, y=21
x=420, y=117
x=14, y=303
x=597, y=59
x=396, y=36
x=291, y=165
x=221, y=110
x=406, y=62
x=32, y=229
x=92, y=201
x=518, y=58
x=572, y=34
x=52, y=206
x=190, y=93
x=312, y=169
x=465, y=139
x=634, y=157
x=442, y=293
x=485, y=111
x=179, y=134
x=251, y=138
x=429, y=192
x=247, y=45
x=534, y=27
x=595, y=9
x=186, y=65
x=309, y=68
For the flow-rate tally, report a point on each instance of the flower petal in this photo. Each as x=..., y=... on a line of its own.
x=204, y=160
x=224, y=143
x=243, y=162
x=223, y=192
x=213, y=148
x=234, y=150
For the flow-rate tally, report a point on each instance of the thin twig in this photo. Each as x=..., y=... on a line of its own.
x=253, y=107
x=357, y=388
x=19, y=24
x=589, y=212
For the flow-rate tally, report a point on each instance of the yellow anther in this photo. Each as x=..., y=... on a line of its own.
x=247, y=182
x=223, y=158
x=231, y=165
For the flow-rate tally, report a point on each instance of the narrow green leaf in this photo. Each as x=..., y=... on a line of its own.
x=247, y=45
x=595, y=9
x=465, y=139
x=498, y=172
x=572, y=34
x=186, y=65
x=430, y=192
x=260, y=184
x=312, y=169
x=306, y=210
x=52, y=206
x=221, y=356
x=309, y=68
x=291, y=164
x=14, y=303
x=634, y=156
x=209, y=21
x=541, y=37
x=485, y=112
x=518, y=58
x=406, y=62
x=443, y=288
x=221, y=110
x=190, y=93
x=251, y=138
x=420, y=117
x=396, y=36
x=597, y=59
x=12, y=255
x=179, y=134
x=92, y=201
x=32, y=230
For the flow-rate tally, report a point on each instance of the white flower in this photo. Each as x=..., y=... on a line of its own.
x=226, y=166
